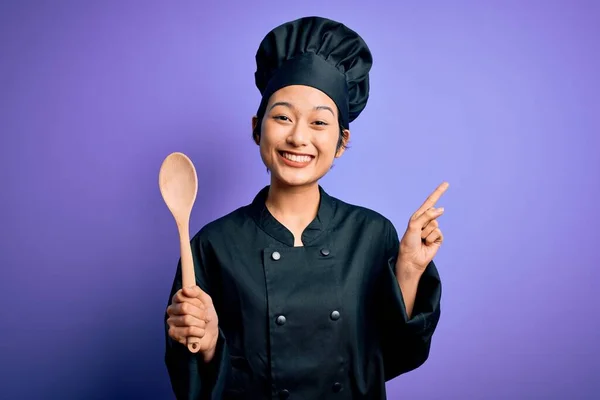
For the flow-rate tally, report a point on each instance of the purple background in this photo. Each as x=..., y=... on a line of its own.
x=501, y=99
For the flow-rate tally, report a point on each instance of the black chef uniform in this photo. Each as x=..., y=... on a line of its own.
x=322, y=321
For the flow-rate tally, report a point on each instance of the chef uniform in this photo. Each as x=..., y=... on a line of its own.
x=322, y=321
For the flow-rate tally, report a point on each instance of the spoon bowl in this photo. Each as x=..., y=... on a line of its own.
x=178, y=184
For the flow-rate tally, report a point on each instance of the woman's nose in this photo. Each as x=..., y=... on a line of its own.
x=298, y=136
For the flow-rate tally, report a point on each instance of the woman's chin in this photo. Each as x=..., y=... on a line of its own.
x=295, y=179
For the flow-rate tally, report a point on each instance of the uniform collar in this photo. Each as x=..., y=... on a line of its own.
x=265, y=220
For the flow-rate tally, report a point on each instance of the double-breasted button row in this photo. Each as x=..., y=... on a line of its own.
x=276, y=256
x=281, y=319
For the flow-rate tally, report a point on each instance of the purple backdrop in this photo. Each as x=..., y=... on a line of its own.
x=502, y=100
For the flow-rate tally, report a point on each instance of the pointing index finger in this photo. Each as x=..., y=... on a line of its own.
x=433, y=198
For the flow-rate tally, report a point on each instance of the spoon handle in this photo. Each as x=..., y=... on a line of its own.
x=188, y=277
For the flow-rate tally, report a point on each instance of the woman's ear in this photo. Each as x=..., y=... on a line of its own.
x=255, y=130
x=344, y=143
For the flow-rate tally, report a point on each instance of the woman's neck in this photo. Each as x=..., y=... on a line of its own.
x=295, y=207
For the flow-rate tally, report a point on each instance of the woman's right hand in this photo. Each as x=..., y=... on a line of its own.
x=192, y=313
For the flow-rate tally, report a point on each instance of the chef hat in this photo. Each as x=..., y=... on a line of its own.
x=320, y=53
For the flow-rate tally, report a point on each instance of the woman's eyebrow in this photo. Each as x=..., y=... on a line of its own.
x=291, y=106
x=281, y=103
x=325, y=108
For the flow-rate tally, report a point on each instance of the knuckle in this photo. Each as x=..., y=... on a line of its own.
x=207, y=299
x=185, y=308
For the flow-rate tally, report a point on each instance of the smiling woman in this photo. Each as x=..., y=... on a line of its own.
x=300, y=294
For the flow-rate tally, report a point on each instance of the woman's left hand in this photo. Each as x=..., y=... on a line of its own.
x=423, y=236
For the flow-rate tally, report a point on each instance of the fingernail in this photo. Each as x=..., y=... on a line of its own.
x=441, y=209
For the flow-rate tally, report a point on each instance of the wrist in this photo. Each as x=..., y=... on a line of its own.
x=408, y=272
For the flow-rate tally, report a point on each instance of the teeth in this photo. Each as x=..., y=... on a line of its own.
x=296, y=158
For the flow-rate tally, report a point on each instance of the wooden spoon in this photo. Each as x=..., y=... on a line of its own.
x=178, y=184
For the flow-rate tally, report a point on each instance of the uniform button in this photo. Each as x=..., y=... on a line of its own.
x=275, y=256
x=280, y=320
x=284, y=394
x=325, y=252
x=336, y=387
x=335, y=315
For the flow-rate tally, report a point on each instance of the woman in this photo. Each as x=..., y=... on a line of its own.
x=300, y=295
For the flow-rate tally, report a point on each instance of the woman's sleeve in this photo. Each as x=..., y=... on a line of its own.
x=191, y=378
x=406, y=342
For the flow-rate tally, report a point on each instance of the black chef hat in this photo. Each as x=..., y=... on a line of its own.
x=317, y=52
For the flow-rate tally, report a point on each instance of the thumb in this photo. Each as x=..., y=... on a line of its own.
x=192, y=291
x=197, y=293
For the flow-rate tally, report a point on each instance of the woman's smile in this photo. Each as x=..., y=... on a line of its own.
x=295, y=160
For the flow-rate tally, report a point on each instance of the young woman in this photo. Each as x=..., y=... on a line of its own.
x=300, y=295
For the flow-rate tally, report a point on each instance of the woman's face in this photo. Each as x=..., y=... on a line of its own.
x=300, y=134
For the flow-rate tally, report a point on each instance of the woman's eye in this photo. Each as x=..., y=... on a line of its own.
x=322, y=123
x=281, y=118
